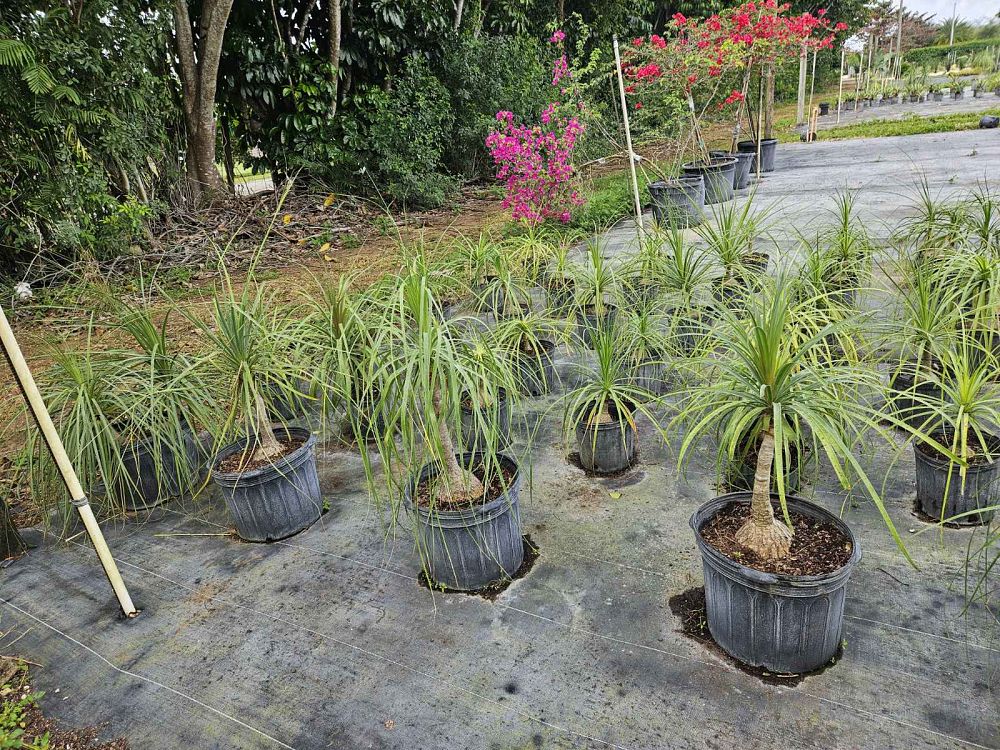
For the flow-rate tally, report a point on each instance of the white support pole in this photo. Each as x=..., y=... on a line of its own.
x=76, y=493
x=840, y=92
x=628, y=139
x=800, y=102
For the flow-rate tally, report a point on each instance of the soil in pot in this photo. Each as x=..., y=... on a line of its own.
x=274, y=498
x=607, y=442
x=679, y=202
x=718, y=173
x=941, y=493
x=536, y=367
x=767, y=149
x=784, y=615
x=468, y=545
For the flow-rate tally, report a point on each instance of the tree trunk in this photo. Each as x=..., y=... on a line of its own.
x=268, y=446
x=459, y=7
x=11, y=544
x=199, y=69
x=768, y=123
x=458, y=484
x=227, y=153
x=335, y=34
x=763, y=534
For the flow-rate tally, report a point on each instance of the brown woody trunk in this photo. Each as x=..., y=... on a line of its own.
x=335, y=34
x=764, y=534
x=768, y=120
x=199, y=69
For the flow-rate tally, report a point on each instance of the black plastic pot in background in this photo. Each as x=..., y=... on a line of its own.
x=536, y=371
x=908, y=400
x=148, y=480
x=718, y=175
x=472, y=438
x=941, y=491
x=744, y=162
x=767, y=149
x=679, y=202
x=685, y=332
x=470, y=548
x=560, y=291
x=489, y=295
x=650, y=375
x=277, y=500
x=824, y=109
x=739, y=473
x=786, y=624
x=591, y=321
x=938, y=96
x=608, y=447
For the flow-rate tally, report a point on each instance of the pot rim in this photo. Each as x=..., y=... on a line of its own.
x=579, y=424
x=684, y=180
x=277, y=468
x=774, y=583
x=937, y=462
x=473, y=515
x=717, y=165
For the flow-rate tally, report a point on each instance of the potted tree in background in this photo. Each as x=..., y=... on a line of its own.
x=760, y=386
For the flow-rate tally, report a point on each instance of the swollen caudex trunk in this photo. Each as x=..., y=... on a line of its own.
x=763, y=533
x=459, y=484
x=268, y=446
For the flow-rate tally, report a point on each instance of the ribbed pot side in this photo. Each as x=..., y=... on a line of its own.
x=277, y=500
x=470, y=548
x=786, y=624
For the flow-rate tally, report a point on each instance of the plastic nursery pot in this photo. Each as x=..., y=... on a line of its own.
x=148, y=480
x=908, y=400
x=470, y=548
x=592, y=319
x=650, y=375
x=560, y=291
x=363, y=421
x=744, y=162
x=824, y=109
x=718, y=174
x=941, y=491
x=678, y=202
x=489, y=295
x=606, y=447
x=686, y=332
x=472, y=439
x=938, y=96
x=278, y=499
x=755, y=262
x=767, y=148
x=786, y=624
x=536, y=370
x=641, y=289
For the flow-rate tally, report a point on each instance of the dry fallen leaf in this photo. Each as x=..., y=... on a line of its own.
x=329, y=200
x=286, y=219
x=324, y=247
x=614, y=494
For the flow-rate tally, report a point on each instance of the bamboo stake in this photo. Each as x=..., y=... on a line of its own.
x=77, y=496
x=840, y=92
x=628, y=140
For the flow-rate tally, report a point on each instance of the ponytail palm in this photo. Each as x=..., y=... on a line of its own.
x=763, y=384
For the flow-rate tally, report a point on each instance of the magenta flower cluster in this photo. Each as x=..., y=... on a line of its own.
x=535, y=162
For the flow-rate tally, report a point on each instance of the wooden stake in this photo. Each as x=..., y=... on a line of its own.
x=76, y=493
x=628, y=140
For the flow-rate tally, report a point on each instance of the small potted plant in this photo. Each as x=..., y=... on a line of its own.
x=936, y=91
x=266, y=472
x=596, y=285
x=764, y=580
x=731, y=237
x=465, y=504
x=686, y=276
x=958, y=460
x=529, y=343
x=601, y=410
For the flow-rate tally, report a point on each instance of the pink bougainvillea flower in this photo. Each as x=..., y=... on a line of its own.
x=557, y=37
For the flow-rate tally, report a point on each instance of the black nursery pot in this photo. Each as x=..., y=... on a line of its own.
x=468, y=549
x=650, y=375
x=784, y=623
x=824, y=109
x=739, y=474
x=908, y=403
x=744, y=163
x=606, y=448
x=472, y=439
x=718, y=175
x=767, y=149
x=148, y=480
x=679, y=202
x=938, y=96
x=537, y=371
x=561, y=291
x=591, y=321
x=277, y=500
x=940, y=490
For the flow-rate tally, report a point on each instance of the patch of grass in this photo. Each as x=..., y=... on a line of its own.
x=909, y=125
